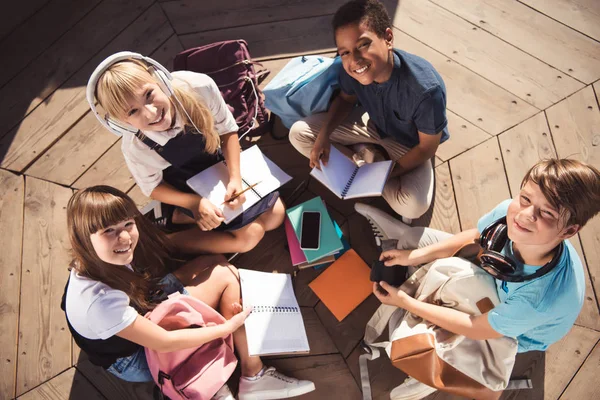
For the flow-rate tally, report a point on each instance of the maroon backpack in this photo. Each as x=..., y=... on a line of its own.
x=229, y=64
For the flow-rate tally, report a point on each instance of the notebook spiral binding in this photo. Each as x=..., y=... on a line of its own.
x=274, y=309
x=349, y=183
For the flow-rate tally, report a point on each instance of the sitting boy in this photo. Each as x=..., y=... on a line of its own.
x=556, y=200
x=402, y=108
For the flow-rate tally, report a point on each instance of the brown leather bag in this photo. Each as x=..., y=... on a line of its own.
x=452, y=363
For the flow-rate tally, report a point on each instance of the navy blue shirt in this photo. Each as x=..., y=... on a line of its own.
x=412, y=100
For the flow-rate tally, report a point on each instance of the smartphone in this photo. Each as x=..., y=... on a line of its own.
x=310, y=230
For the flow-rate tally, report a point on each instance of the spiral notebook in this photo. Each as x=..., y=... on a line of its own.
x=347, y=181
x=275, y=325
x=255, y=168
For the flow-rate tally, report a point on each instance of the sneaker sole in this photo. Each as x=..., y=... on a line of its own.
x=271, y=395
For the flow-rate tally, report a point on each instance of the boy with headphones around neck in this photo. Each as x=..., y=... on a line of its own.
x=540, y=279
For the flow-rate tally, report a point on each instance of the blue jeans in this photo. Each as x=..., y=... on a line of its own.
x=134, y=368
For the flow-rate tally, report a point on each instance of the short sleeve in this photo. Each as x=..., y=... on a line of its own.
x=430, y=115
x=498, y=212
x=224, y=120
x=110, y=313
x=347, y=83
x=146, y=177
x=516, y=315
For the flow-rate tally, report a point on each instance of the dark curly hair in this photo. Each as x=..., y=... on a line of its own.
x=371, y=12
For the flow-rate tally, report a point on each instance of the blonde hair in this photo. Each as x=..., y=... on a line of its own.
x=92, y=209
x=121, y=80
x=570, y=186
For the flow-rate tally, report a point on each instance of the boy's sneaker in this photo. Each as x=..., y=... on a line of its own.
x=411, y=389
x=272, y=385
x=223, y=394
x=384, y=226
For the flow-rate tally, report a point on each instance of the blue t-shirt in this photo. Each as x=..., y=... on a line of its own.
x=541, y=311
x=412, y=100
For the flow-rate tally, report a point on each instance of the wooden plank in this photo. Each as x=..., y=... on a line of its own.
x=584, y=384
x=550, y=41
x=11, y=220
x=330, y=374
x=67, y=55
x=597, y=90
x=29, y=40
x=68, y=385
x=274, y=39
x=445, y=214
x=112, y=387
x=479, y=182
x=184, y=13
x=44, y=340
x=88, y=140
x=589, y=315
x=110, y=169
x=67, y=105
x=472, y=97
x=138, y=197
x=575, y=126
x=463, y=136
x=510, y=68
x=581, y=15
x=16, y=12
x=523, y=146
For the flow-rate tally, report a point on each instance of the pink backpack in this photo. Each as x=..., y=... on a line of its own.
x=194, y=373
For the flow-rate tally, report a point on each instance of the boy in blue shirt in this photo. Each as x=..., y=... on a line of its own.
x=402, y=108
x=556, y=200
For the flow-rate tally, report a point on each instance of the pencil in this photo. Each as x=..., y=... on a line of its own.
x=235, y=196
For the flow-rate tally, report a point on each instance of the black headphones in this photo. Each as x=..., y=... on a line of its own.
x=492, y=241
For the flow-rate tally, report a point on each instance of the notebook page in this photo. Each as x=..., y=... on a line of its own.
x=275, y=324
x=370, y=179
x=337, y=172
x=256, y=167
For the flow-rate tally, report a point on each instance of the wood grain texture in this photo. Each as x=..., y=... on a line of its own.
x=44, y=340
x=479, y=182
x=183, y=14
x=110, y=169
x=12, y=188
x=16, y=13
x=274, y=39
x=112, y=387
x=138, y=197
x=581, y=15
x=589, y=316
x=479, y=101
x=29, y=40
x=445, y=215
x=463, y=136
x=584, y=384
x=523, y=146
x=66, y=56
x=68, y=385
x=563, y=48
x=61, y=110
x=528, y=78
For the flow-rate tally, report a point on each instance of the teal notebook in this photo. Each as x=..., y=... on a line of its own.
x=329, y=240
x=345, y=245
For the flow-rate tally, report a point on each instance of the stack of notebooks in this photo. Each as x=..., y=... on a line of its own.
x=332, y=244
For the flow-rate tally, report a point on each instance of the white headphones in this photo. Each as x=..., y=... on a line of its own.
x=160, y=73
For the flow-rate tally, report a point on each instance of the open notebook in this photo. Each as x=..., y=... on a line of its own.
x=347, y=181
x=254, y=166
x=275, y=325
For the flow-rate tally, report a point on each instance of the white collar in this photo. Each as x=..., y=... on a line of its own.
x=163, y=137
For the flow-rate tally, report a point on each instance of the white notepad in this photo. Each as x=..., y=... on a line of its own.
x=347, y=181
x=254, y=166
x=275, y=325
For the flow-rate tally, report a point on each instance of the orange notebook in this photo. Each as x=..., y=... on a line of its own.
x=344, y=285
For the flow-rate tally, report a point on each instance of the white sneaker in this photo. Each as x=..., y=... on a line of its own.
x=223, y=394
x=411, y=389
x=273, y=385
x=384, y=226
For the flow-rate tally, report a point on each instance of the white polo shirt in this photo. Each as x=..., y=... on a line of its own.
x=146, y=165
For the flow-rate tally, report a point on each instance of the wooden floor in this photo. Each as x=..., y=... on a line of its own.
x=523, y=84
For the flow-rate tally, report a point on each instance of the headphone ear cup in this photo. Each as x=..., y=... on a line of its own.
x=163, y=82
x=498, y=238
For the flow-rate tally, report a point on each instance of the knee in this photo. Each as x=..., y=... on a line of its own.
x=408, y=204
x=252, y=235
x=302, y=136
x=226, y=273
x=277, y=214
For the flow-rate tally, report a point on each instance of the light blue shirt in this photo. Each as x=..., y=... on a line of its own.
x=541, y=311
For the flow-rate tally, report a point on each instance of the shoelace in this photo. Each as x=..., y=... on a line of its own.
x=280, y=376
x=375, y=230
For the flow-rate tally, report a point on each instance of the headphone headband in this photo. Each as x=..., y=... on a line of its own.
x=162, y=75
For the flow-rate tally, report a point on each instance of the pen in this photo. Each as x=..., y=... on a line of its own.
x=235, y=196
